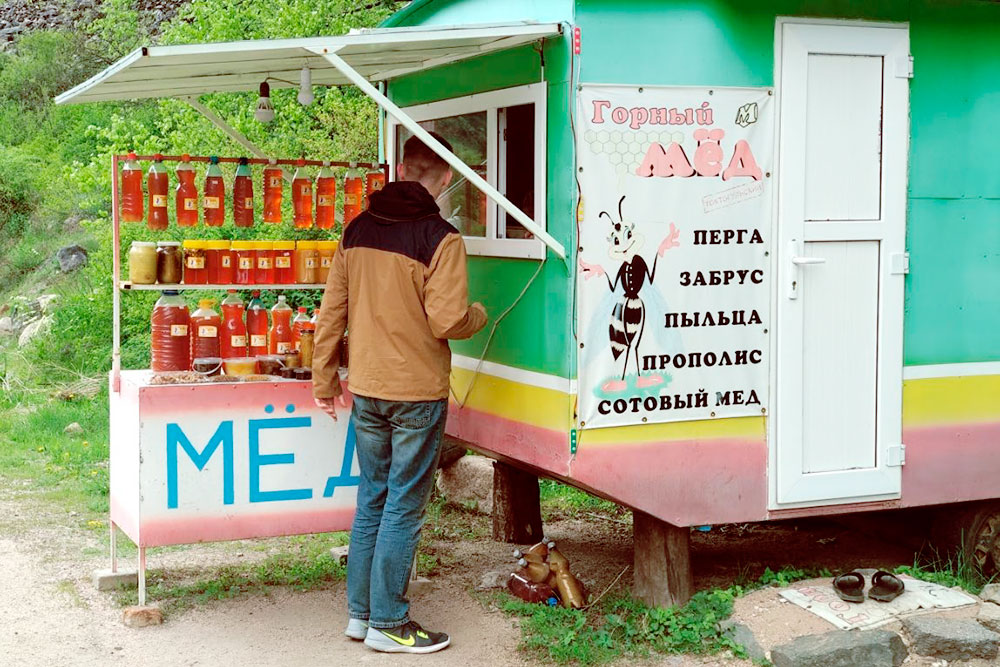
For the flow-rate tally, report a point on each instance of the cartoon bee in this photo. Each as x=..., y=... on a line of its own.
x=628, y=314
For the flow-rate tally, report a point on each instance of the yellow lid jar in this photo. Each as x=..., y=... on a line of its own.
x=306, y=262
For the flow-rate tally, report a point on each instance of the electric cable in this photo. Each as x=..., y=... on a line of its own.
x=489, y=339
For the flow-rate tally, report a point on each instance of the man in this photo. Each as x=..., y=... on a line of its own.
x=399, y=285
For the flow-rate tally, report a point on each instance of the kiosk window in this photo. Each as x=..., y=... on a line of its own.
x=500, y=135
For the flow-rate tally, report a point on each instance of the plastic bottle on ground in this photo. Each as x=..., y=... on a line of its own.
x=280, y=338
x=132, y=198
x=186, y=197
x=528, y=556
x=556, y=560
x=214, y=195
x=541, y=549
x=170, y=326
x=257, y=325
x=529, y=591
x=205, y=327
x=537, y=572
x=233, y=339
x=570, y=591
x=158, y=184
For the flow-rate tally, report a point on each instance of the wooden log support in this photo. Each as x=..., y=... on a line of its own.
x=662, y=557
x=517, y=514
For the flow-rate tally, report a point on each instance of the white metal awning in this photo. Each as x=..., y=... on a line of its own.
x=377, y=54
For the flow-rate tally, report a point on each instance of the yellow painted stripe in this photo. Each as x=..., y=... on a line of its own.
x=971, y=398
x=747, y=428
x=546, y=408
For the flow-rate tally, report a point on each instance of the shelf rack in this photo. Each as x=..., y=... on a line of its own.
x=126, y=286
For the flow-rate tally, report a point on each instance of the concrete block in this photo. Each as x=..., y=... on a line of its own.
x=142, y=617
x=105, y=580
x=743, y=635
x=339, y=554
x=871, y=648
x=989, y=616
x=951, y=638
x=493, y=579
x=419, y=586
x=991, y=593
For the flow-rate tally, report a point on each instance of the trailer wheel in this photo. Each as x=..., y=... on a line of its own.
x=982, y=546
x=969, y=533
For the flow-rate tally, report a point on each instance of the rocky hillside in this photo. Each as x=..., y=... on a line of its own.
x=19, y=16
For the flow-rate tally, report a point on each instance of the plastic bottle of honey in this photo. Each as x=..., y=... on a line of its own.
x=257, y=325
x=326, y=197
x=530, y=557
x=213, y=201
x=274, y=180
x=302, y=201
x=299, y=324
x=171, y=340
x=132, y=204
x=374, y=181
x=556, y=559
x=243, y=195
x=186, y=197
x=354, y=189
x=541, y=549
x=569, y=589
x=233, y=337
x=205, y=327
x=157, y=184
x=280, y=339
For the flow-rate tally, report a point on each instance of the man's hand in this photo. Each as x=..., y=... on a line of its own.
x=330, y=405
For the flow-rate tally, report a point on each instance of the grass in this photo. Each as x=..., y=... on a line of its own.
x=950, y=572
x=563, y=501
x=619, y=627
x=304, y=564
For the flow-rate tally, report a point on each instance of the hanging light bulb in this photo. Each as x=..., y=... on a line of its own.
x=264, y=112
x=305, y=96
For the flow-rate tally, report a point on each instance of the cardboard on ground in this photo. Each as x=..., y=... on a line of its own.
x=820, y=599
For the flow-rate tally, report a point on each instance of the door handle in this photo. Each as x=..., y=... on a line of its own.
x=796, y=260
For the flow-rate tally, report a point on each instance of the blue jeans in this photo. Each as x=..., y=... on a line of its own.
x=398, y=444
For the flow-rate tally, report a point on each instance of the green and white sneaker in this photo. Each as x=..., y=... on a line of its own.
x=408, y=638
x=356, y=629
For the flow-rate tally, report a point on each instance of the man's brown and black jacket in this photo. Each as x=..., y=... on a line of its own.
x=399, y=285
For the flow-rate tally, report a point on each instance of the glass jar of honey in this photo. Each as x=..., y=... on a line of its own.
x=218, y=263
x=306, y=261
x=264, y=274
x=169, y=262
x=142, y=263
x=245, y=267
x=284, y=270
x=194, y=263
x=326, y=250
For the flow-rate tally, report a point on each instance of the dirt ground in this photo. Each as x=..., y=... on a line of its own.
x=50, y=614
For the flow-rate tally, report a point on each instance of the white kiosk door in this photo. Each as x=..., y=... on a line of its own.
x=843, y=132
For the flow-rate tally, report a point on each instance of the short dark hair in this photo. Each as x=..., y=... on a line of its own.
x=421, y=160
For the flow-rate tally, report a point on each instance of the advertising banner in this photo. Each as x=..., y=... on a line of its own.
x=673, y=285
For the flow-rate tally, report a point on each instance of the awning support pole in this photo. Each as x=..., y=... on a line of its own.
x=436, y=146
x=233, y=133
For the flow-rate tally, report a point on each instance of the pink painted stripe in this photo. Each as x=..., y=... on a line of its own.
x=951, y=463
x=536, y=446
x=687, y=483
x=125, y=519
x=164, y=532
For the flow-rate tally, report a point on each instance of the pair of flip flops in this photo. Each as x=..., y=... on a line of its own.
x=850, y=587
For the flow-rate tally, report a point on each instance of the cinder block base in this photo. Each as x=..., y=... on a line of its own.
x=142, y=617
x=419, y=586
x=105, y=580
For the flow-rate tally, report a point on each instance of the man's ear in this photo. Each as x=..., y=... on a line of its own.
x=400, y=172
x=448, y=175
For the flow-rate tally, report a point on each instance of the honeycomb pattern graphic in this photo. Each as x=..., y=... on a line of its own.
x=625, y=149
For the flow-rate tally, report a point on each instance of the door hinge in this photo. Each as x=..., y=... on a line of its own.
x=899, y=262
x=904, y=67
x=896, y=456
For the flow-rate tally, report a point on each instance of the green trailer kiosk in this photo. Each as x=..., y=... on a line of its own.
x=742, y=260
